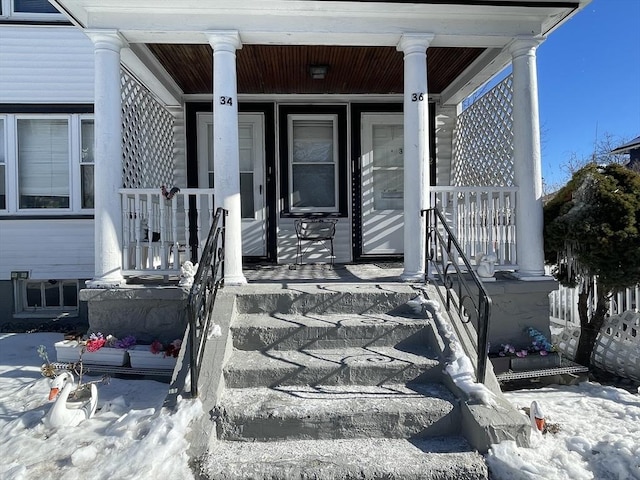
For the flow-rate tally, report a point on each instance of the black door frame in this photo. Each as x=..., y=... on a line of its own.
x=357, y=109
x=268, y=109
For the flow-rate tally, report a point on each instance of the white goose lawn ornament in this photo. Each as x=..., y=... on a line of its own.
x=536, y=415
x=68, y=414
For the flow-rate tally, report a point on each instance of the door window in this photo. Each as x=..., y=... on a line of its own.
x=388, y=167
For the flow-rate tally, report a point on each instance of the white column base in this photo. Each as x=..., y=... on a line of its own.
x=235, y=280
x=412, y=277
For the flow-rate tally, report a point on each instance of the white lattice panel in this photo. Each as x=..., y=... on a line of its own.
x=483, y=140
x=147, y=137
x=617, y=348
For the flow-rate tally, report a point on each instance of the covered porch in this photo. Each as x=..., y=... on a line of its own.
x=271, y=112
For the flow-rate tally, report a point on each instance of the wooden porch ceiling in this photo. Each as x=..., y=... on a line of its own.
x=264, y=69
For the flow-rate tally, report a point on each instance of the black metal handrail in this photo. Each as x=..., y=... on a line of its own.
x=464, y=291
x=208, y=279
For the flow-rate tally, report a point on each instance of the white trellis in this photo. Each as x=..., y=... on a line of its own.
x=147, y=137
x=483, y=140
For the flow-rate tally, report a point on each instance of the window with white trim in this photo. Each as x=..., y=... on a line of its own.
x=87, y=145
x=29, y=10
x=46, y=296
x=48, y=163
x=313, y=155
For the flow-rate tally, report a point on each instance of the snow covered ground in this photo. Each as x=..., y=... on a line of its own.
x=132, y=437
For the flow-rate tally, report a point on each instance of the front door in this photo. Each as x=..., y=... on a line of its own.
x=252, y=180
x=382, y=184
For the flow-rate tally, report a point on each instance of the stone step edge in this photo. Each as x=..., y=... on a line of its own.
x=435, y=457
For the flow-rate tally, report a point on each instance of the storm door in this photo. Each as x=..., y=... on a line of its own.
x=252, y=180
x=382, y=184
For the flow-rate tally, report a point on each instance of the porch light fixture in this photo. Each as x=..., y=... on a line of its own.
x=318, y=72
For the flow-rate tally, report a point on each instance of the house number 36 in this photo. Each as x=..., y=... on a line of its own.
x=417, y=97
x=226, y=101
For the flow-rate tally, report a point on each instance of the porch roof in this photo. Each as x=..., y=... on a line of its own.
x=357, y=39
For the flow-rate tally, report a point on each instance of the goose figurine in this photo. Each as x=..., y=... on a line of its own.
x=538, y=422
x=64, y=413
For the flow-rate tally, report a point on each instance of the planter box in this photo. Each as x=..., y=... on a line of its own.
x=535, y=362
x=69, y=351
x=500, y=364
x=141, y=356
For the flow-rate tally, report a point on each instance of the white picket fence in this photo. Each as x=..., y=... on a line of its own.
x=617, y=348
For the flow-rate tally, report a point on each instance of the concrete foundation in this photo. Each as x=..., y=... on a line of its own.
x=148, y=313
x=516, y=306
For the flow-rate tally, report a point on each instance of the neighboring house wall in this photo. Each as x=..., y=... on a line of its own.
x=46, y=72
x=45, y=65
x=48, y=249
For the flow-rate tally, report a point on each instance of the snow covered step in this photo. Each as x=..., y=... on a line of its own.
x=313, y=331
x=330, y=412
x=355, y=365
x=365, y=459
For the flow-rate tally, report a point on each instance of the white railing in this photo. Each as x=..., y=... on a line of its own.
x=159, y=234
x=482, y=219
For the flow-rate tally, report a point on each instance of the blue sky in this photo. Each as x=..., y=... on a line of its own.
x=589, y=82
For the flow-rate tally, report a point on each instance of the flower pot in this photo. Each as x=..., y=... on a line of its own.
x=500, y=364
x=70, y=350
x=535, y=361
x=141, y=356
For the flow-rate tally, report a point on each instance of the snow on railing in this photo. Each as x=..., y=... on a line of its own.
x=160, y=232
x=482, y=219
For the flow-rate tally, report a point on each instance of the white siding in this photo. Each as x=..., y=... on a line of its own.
x=445, y=124
x=48, y=249
x=316, y=253
x=45, y=65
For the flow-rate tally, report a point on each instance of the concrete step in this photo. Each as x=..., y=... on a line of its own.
x=331, y=412
x=364, y=459
x=347, y=366
x=324, y=331
x=303, y=298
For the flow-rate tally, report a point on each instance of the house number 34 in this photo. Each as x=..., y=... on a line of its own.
x=226, y=101
x=417, y=97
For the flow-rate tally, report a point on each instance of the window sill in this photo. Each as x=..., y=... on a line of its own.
x=57, y=315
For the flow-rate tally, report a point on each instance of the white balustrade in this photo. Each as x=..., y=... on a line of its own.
x=482, y=218
x=159, y=234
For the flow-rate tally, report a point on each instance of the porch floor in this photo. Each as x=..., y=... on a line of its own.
x=378, y=272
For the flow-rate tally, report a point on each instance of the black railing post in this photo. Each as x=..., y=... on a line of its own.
x=444, y=247
x=208, y=279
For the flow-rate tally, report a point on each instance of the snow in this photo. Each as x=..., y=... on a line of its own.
x=132, y=436
x=599, y=436
x=458, y=364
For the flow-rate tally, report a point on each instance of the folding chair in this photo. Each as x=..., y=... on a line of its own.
x=314, y=230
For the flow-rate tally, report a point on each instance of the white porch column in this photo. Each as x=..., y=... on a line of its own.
x=416, y=152
x=108, y=159
x=527, y=161
x=226, y=156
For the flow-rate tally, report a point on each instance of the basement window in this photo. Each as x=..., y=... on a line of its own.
x=46, y=296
